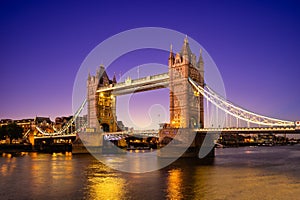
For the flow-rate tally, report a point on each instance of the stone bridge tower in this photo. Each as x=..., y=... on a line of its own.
x=186, y=106
x=101, y=106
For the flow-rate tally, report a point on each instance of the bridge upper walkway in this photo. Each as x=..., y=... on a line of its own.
x=138, y=85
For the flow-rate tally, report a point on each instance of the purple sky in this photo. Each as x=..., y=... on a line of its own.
x=255, y=45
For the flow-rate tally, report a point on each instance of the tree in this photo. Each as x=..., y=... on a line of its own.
x=13, y=131
x=2, y=133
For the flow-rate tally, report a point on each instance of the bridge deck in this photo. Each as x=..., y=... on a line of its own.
x=254, y=130
x=138, y=85
x=290, y=130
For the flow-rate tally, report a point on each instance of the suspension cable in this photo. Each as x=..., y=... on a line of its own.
x=237, y=111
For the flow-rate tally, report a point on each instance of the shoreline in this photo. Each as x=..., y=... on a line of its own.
x=18, y=148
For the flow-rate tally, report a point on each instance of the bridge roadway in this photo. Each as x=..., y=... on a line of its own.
x=252, y=130
x=55, y=136
x=138, y=85
x=275, y=130
x=154, y=133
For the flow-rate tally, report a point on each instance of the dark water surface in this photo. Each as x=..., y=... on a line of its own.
x=235, y=173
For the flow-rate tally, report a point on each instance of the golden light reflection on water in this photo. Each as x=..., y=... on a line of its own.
x=8, y=167
x=6, y=155
x=175, y=184
x=107, y=188
x=61, y=166
x=33, y=154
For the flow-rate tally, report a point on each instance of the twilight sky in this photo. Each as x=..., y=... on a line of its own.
x=255, y=45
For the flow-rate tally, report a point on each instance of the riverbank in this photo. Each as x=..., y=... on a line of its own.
x=13, y=148
x=81, y=149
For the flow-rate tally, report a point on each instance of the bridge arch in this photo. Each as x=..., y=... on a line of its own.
x=105, y=127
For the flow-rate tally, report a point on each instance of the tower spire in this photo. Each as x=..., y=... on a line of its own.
x=185, y=50
x=186, y=41
x=171, y=56
x=114, y=78
x=89, y=75
x=200, y=61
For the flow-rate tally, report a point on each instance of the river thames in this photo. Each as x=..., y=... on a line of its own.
x=235, y=173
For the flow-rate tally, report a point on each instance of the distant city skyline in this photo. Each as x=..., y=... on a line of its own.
x=254, y=44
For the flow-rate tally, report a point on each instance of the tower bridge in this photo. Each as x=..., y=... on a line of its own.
x=186, y=109
x=188, y=93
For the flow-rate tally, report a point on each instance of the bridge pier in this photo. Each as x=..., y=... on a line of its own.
x=201, y=145
x=185, y=143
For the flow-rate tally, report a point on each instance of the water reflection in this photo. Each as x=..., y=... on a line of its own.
x=103, y=183
x=9, y=166
x=106, y=188
x=61, y=166
x=175, y=184
x=265, y=173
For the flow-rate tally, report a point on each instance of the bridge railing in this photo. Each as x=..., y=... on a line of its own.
x=130, y=81
x=247, y=129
